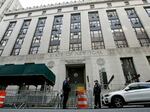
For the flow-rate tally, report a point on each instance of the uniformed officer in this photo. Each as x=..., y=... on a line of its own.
x=97, y=94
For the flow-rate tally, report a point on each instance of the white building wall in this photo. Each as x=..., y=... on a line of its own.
x=51, y=11
x=148, y=1
x=115, y=4
x=9, y=5
x=89, y=73
x=102, y=5
x=22, y=16
x=3, y=8
x=5, y=5
x=8, y=18
x=94, y=70
x=61, y=74
x=113, y=67
x=15, y=5
x=84, y=7
x=85, y=31
x=67, y=9
x=65, y=36
x=57, y=61
x=135, y=2
x=142, y=67
x=37, y=13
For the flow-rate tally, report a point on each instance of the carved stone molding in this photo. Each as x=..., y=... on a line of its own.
x=51, y=64
x=100, y=61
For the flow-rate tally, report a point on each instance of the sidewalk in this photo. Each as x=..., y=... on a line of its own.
x=78, y=110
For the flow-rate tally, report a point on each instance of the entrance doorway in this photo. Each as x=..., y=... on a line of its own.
x=76, y=73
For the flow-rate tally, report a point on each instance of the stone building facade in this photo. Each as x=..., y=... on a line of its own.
x=85, y=40
x=6, y=5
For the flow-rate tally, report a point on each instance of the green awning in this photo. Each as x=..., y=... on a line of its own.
x=30, y=74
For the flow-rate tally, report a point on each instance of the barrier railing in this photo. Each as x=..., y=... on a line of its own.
x=28, y=98
x=72, y=101
x=52, y=99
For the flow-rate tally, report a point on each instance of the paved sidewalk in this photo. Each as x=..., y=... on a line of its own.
x=78, y=110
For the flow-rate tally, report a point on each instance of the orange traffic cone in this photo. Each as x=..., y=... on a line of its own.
x=82, y=100
x=2, y=98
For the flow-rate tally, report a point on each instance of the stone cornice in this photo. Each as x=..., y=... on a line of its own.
x=59, y=5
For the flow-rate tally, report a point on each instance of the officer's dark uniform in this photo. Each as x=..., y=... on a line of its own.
x=66, y=90
x=96, y=93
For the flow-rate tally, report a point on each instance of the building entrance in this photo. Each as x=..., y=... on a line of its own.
x=76, y=73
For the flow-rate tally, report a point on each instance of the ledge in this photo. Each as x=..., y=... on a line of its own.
x=57, y=5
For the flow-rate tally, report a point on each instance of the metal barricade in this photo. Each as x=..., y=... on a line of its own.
x=28, y=99
x=51, y=99
x=72, y=101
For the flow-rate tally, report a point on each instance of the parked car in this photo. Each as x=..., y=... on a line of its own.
x=134, y=93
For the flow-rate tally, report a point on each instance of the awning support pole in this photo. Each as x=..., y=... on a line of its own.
x=44, y=93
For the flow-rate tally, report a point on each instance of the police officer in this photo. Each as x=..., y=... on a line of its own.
x=96, y=93
x=66, y=89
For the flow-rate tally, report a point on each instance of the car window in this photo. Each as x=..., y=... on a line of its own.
x=134, y=87
x=144, y=86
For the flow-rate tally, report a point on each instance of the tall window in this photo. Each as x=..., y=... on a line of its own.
x=148, y=10
x=75, y=8
x=20, y=38
x=129, y=70
x=75, y=33
x=37, y=36
x=126, y=2
x=43, y=12
x=109, y=4
x=138, y=28
x=116, y=29
x=92, y=6
x=148, y=58
x=6, y=36
x=59, y=10
x=103, y=78
x=56, y=34
x=29, y=14
x=15, y=16
x=95, y=31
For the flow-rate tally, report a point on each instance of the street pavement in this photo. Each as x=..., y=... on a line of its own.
x=137, y=109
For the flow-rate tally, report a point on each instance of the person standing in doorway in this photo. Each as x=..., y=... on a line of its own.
x=97, y=94
x=66, y=89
